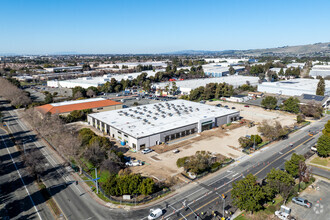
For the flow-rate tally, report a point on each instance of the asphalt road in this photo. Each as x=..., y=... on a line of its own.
x=20, y=198
x=321, y=172
x=200, y=196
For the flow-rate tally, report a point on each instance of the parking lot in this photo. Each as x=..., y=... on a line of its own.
x=320, y=199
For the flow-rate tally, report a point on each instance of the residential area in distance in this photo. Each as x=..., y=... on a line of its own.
x=140, y=127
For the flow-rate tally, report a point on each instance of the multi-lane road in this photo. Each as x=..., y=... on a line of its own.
x=200, y=196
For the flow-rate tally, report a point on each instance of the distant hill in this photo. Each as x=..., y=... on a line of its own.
x=317, y=49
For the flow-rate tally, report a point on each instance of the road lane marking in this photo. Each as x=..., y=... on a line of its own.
x=254, y=174
x=20, y=176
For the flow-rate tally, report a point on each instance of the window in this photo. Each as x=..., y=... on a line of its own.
x=134, y=145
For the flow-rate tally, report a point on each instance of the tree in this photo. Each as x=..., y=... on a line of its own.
x=247, y=194
x=49, y=98
x=78, y=89
x=323, y=146
x=272, y=132
x=292, y=165
x=291, y=105
x=312, y=109
x=320, y=87
x=326, y=130
x=279, y=182
x=281, y=72
x=90, y=93
x=231, y=70
x=269, y=102
x=33, y=161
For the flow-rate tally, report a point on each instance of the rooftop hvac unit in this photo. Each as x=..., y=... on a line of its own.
x=148, y=115
x=155, y=118
x=121, y=114
x=138, y=117
x=145, y=120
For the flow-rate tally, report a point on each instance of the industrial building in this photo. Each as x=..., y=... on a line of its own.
x=185, y=86
x=86, y=82
x=320, y=70
x=293, y=87
x=95, y=104
x=145, y=126
x=219, y=71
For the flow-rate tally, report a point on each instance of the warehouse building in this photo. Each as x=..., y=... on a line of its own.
x=320, y=70
x=185, y=86
x=219, y=71
x=95, y=104
x=86, y=82
x=293, y=87
x=145, y=126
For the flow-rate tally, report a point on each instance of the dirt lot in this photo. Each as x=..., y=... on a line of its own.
x=258, y=114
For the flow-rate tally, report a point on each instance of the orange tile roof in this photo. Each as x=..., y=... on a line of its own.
x=79, y=106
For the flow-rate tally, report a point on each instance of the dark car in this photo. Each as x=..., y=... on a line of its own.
x=218, y=105
x=233, y=108
x=246, y=106
x=302, y=202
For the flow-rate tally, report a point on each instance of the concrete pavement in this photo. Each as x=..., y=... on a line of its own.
x=20, y=197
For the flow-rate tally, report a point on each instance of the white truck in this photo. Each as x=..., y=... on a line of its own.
x=284, y=213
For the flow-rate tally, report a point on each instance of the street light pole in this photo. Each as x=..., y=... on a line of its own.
x=222, y=196
x=96, y=183
x=186, y=205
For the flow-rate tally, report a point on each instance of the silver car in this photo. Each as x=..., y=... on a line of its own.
x=302, y=202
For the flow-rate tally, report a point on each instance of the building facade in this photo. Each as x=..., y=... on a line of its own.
x=153, y=124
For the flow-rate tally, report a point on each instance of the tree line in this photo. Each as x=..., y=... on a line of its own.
x=250, y=195
x=87, y=150
x=10, y=91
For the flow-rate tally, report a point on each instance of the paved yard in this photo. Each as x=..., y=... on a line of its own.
x=320, y=198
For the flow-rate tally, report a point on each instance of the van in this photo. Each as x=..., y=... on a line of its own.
x=155, y=213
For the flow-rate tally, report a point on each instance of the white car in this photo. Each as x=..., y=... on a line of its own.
x=133, y=163
x=155, y=213
x=146, y=151
x=313, y=148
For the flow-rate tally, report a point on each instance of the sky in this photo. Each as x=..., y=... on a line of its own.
x=159, y=26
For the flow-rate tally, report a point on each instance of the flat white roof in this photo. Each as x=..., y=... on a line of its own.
x=155, y=118
x=95, y=81
x=77, y=101
x=307, y=86
x=195, y=83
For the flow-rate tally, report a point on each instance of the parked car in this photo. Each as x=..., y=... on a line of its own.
x=176, y=151
x=155, y=213
x=133, y=163
x=247, y=106
x=146, y=151
x=218, y=105
x=302, y=202
x=291, y=145
x=314, y=148
x=233, y=108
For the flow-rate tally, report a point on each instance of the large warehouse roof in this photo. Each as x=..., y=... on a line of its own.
x=97, y=81
x=156, y=118
x=294, y=87
x=320, y=70
x=69, y=106
x=194, y=83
